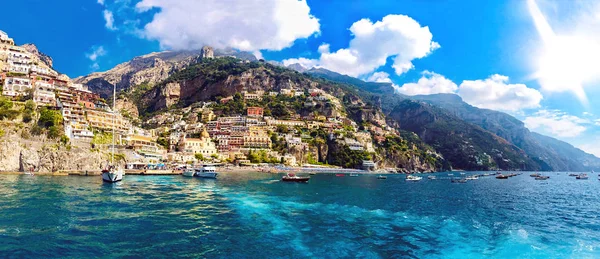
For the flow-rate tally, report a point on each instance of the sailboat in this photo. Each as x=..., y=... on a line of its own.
x=113, y=173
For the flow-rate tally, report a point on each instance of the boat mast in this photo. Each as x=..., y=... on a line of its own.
x=112, y=157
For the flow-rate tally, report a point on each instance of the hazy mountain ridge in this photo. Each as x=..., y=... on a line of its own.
x=555, y=154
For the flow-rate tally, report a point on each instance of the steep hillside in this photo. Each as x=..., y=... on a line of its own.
x=560, y=156
x=464, y=145
x=180, y=96
x=148, y=69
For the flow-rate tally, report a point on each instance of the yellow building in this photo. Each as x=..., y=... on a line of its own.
x=257, y=138
x=202, y=145
x=106, y=120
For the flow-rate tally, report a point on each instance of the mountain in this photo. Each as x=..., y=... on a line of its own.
x=185, y=91
x=550, y=153
x=31, y=48
x=465, y=145
x=149, y=69
x=374, y=87
x=559, y=155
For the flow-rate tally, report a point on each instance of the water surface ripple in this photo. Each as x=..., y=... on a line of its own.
x=256, y=216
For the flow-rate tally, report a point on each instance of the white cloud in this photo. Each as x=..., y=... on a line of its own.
x=497, y=94
x=324, y=48
x=240, y=24
x=94, y=54
x=429, y=83
x=110, y=20
x=397, y=36
x=380, y=77
x=258, y=54
x=305, y=62
x=591, y=147
x=557, y=123
x=101, y=2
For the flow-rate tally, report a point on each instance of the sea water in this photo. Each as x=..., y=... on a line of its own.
x=256, y=216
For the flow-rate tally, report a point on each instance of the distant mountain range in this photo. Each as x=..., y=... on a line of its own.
x=549, y=153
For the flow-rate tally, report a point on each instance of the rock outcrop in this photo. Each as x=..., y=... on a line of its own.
x=42, y=155
x=41, y=56
x=128, y=107
x=207, y=52
x=149, y=69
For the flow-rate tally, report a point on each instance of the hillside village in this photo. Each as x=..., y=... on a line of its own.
x=234, y=129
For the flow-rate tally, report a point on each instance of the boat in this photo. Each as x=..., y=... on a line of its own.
x=29, y=173
x=189, y=172
x=542, y=177
x=291, y=177
x=450, y=174
x=535, y=175
x=582, y=177
x=113, y=173
x=462, y=173
x=207, y=172
x=573, y=175
x=353, y=175
x=458, y=180
x=431, y=177
x=312, y=173
x=381, y=177
x=413, y=178
x=501, y=176
x=472, y=177
x=340, y=175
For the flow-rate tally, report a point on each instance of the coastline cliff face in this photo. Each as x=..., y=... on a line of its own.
x=43, y=155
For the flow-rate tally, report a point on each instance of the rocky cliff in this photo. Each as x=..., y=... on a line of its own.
x=31, y=48
x=148, y=69
x=43, y=155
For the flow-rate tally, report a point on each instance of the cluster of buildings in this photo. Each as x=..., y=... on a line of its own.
x=24, y=74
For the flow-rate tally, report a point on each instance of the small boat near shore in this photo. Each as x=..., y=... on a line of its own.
x=582, y=177
x=312, y=173
x=381, y=177
x=431, y=177
x=291, y=177
x=353, y=175
x=207, y=172
x=340, y=175
x=501, y=176
x=542, y=177
x=472, y=177
x=535, y=175
x=189, y=172
x=460, y=180
x=413, y=178
x=573, y=175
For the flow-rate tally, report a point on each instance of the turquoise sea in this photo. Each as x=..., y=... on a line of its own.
x=256, y=216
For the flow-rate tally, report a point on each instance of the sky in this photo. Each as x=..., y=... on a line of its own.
x=538, y=60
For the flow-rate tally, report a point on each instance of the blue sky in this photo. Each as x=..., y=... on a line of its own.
x=533, y=59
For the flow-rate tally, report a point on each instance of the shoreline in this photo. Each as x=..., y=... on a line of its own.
x=297, y=170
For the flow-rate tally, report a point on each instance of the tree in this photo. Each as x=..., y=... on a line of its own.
x=49, y=118
x=199, y=157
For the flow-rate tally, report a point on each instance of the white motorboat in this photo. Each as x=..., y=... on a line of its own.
x=189, y=172
x=582, y=177
x=431, y=177
x=112, y=174
x=413, y=178
x=472, y=177
x=207, y=172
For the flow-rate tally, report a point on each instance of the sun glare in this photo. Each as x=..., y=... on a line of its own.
x=567, y=62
